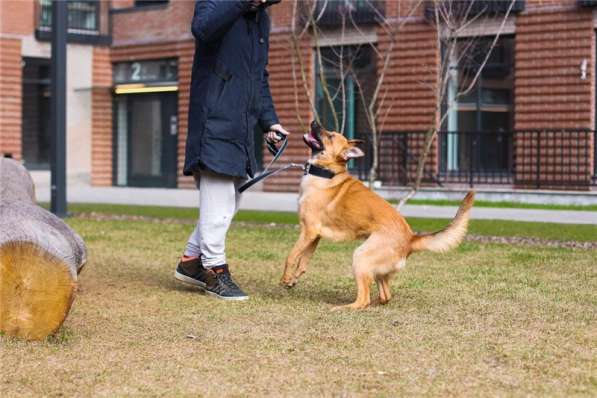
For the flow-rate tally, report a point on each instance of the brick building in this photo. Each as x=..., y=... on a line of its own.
x=529, y=122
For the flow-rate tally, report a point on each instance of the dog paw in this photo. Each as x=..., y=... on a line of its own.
x=288, y=283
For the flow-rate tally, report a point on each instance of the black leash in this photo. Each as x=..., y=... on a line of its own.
x=276, y=152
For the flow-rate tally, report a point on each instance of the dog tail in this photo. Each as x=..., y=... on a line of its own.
x=449, y=237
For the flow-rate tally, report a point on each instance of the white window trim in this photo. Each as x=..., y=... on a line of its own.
x=488, y=27
x=351, y=36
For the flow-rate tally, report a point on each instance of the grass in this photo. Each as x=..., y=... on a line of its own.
x=484, y=320
x=503, y=205
x=478, y=227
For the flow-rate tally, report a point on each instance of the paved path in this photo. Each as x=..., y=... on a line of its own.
x=269, y=201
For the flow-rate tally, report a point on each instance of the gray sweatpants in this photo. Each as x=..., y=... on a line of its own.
x=218, y=203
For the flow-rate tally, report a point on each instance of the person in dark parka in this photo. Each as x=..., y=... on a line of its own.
x=229, y=96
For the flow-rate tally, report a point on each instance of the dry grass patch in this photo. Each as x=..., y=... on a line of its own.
x=483, y=320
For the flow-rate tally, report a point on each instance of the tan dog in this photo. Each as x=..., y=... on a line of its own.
x=334, y=205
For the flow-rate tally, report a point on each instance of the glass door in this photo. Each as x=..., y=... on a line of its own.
x=146, y=140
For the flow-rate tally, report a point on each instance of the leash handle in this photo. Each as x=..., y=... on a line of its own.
x=267, y=174
x=275, y=151
x=272, y=147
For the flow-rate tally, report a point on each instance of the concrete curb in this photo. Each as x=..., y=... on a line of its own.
x=270, y=201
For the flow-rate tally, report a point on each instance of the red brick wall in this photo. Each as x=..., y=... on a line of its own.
x=411, y=85
x=185, y=54
x=410, y=79
x=550, y=94
x=283, y=89
x=101, y=114
x=152, y=25
x=10, y=97
x=549, y=48
x=17, y=16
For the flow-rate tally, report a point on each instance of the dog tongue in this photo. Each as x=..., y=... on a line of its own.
x=313, y=140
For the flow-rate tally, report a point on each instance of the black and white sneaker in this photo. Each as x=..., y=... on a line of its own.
x=192, y=272
x=221, y=285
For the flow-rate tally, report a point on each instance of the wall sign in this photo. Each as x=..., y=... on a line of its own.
x=153, y=71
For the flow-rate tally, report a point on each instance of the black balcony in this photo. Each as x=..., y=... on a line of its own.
x=587, y=3
x=332, y=13
x=85, y=24
x=473, y=8
x=534, y=159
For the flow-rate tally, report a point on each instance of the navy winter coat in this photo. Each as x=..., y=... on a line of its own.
x=229, y=87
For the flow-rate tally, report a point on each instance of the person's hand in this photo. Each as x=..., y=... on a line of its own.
x=274, y=131
x=255, y=4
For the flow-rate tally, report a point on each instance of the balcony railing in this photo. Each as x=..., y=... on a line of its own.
x=473, y=8
x=332, y=13
x=537, y=159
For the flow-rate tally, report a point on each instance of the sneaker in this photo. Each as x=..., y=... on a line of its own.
x=192, y=273
x=221, y=285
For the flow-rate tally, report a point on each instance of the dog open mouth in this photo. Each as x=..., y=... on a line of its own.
x=313, y=138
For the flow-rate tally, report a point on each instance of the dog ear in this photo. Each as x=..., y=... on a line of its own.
x=355, y=142
x=353, y=152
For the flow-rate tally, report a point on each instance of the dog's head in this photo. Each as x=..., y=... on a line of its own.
x=330, y=149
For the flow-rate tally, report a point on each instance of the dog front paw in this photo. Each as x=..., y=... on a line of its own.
x=288, y=282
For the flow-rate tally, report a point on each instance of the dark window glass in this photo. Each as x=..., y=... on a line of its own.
x=358, y=65
x=36, y=113
x=143, y=3
x=351, y=75
x=83, y=15
x=479, y=110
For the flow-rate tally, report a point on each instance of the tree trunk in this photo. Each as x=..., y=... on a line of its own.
x=40, y=258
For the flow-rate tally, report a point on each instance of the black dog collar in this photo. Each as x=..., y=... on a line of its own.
x=318, y=171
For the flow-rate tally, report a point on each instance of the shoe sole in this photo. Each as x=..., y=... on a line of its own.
x=189, y=281
x=238, y=298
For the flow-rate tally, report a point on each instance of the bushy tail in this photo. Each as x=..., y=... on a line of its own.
x=449, y=237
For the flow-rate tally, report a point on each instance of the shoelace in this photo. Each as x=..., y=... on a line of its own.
x=226, y=279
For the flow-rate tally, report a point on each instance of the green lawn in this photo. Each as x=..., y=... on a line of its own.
x=478, y=227
x=508, y=205
x=483, y=320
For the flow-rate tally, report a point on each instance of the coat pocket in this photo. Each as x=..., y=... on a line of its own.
x=219, y=79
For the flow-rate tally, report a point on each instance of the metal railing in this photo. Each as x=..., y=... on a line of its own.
x=334, y=12
x=539, y=159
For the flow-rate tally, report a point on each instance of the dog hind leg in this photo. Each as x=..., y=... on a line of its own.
x=363, y=274
x=383, y=284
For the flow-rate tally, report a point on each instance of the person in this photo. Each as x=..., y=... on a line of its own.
x=229, y=96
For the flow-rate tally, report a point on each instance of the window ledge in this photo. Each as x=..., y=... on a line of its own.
x=91, y=38
x=139, y=8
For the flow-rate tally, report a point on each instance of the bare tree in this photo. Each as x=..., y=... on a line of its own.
x=310, y=13
x=451, y=18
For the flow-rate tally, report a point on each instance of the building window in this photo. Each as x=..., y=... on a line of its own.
x=347, y=70
x=36, y=113
x=145, y=3
x=481, y=106
x=83, y=16
x=352, y=12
